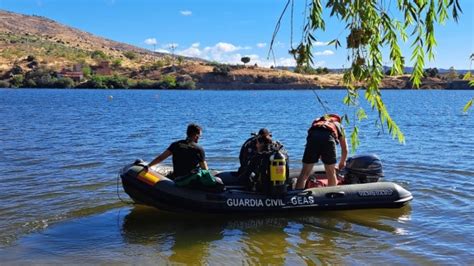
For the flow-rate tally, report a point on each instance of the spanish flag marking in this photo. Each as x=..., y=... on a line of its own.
x=148, y=177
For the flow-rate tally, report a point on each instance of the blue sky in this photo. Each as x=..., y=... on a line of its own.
x=225, y=31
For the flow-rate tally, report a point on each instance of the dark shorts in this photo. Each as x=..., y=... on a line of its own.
x=320, y=144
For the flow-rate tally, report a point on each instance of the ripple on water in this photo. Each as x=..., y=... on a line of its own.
x=83, y=165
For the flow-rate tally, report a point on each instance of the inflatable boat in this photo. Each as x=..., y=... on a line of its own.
x=358, y=188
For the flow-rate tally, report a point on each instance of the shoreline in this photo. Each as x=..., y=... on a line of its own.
x=250, y=87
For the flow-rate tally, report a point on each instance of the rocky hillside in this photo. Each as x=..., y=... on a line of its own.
x=58, y=45
x=38, y=52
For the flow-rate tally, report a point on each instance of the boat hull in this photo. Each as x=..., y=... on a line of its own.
x=156, y=190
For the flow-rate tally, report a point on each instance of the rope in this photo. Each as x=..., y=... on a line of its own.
x=118, y=193
x=275, y=32
x=321, y=102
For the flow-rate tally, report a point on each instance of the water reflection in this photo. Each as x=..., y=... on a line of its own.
x=289, y=238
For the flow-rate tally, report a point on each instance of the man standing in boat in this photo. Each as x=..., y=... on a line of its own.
x=188, y=156
x=323, y=136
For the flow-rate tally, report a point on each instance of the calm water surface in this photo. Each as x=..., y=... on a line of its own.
x=60, y=151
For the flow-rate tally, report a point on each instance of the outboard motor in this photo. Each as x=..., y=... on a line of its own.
x=363, y=169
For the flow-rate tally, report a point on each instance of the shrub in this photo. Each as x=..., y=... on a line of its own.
x=158, y=64
x=30, y=58
x=97, y=82
x=130, y=55
x=17, y=81
x=86, y=71
x=43, y=77
x=167, y=82
x=63, y=83
x=33, y=64
x=117, y=82
x=116, y=63
x=145, y=84
x=16, y=69
x=98, y=55
x=431, y=72
x=4, y=84
x=29, y=83
x=221, y=70
x=187, y=85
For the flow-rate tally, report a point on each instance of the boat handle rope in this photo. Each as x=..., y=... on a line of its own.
x=118, y=193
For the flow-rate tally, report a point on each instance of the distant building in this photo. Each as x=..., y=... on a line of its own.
x=103, y=69
x=76, y=76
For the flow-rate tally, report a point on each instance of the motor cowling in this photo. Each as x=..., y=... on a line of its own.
x=363, y=169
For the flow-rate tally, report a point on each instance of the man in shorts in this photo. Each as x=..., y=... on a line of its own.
x=323, y=136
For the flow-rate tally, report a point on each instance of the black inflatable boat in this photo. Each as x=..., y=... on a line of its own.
x=359, y=188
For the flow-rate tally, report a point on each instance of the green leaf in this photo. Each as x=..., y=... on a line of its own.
x=361, y=114
x=467, y=76
x=468, y=105
x=355, y=142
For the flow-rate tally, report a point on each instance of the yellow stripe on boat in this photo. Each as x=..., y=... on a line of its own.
x=148, y=177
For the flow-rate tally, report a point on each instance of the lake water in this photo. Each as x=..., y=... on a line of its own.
x=60, y=151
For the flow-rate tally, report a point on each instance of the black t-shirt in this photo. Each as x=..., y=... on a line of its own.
x=186, y=157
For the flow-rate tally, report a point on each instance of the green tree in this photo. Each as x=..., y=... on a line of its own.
x=371, y=26
x=180, y=60
x=452, y=74
x=167, y=82
x=86, y=71
x=245, y=59
x=64, y=83
x=431, y=72
x=17, y=81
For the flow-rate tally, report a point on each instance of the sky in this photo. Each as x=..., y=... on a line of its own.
x=225, y=31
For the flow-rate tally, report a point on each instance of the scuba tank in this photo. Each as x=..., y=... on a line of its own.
x=278, y=173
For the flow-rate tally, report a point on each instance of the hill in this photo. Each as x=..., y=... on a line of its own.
x=39, y=52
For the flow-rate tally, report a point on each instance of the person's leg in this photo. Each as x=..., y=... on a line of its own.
x=329, y=160
x=305, y=173
x=331, y=174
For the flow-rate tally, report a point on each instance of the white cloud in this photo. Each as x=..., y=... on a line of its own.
x=325, y=52
x=163, y=51
x=261, y=45
x=192, y=51
x=223, y=47
x=186, y=12
x=321, y=43
x=151, y=41
x=231, y=54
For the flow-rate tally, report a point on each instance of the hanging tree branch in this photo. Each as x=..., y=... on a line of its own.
x=372, y=27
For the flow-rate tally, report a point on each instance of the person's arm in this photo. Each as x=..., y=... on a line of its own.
x=203, y=165
x=160, y=158
x=343, y=144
